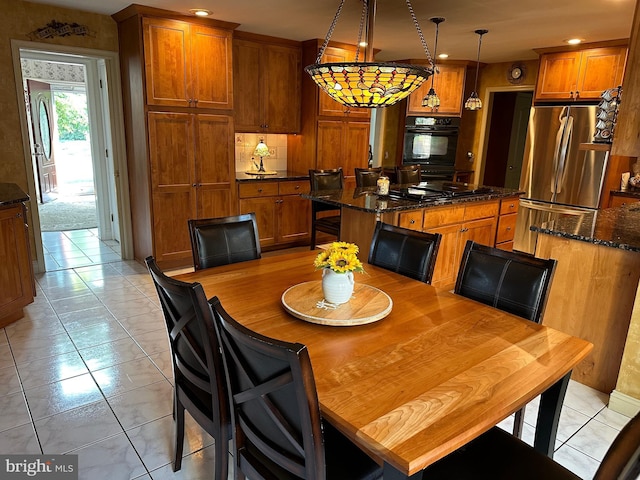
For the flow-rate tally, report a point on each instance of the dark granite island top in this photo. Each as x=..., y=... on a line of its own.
x=611, y=227
x=366, y=199
x=10, y=193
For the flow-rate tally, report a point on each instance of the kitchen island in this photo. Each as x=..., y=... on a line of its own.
x=483, y=214
x=594, y=289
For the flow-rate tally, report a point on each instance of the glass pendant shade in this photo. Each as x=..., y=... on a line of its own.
x=369, y=84
x=474, y=102
x=432, y=100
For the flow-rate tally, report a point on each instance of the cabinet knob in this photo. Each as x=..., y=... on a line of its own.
x=508, y=229
x=195, y=101
x=297, y=187
x=194, y=185
x=577, y=93
x=412, y=222
x=259, y=190
x=512, y=205
x=462, y=230
x=190, y=101
x=18, y=215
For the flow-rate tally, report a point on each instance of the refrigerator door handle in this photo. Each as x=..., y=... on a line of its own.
x=553, y=208
x=568, y=133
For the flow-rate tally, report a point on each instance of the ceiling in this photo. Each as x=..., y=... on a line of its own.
x=515, y=26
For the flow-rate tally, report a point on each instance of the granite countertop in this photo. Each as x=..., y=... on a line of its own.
x=11, y=193
x=366, y=199
x=278, y=176
x=633, y=193
x=611, y=227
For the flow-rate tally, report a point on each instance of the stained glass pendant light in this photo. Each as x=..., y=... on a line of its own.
x=432, y=100
x=474, y=102
x=369, y=84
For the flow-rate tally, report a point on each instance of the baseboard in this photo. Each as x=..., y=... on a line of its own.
x=624, y=404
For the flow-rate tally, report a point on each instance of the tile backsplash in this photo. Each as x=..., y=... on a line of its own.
x=245, y=144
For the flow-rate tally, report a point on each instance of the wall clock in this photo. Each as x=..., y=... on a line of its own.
x=516, y=73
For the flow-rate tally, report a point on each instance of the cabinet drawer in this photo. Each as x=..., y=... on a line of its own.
x=410, y=220
x=481, y=210
x=293, y=188
x=509, y=205
x=257, y=189
x=442, y=216
x=506, y=228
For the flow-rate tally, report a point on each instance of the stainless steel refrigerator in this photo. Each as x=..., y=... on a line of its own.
x=562, y=174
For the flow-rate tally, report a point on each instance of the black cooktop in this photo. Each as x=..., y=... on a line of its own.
x=435, y=190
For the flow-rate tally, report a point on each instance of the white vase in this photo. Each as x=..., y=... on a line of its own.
x=337, y=287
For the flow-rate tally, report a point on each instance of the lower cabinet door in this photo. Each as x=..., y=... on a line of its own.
x=294, y=219
x=265, y=210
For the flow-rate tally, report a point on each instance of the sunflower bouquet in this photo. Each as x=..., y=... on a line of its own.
x=341, y=257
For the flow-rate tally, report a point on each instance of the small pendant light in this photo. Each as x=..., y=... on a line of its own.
x=474, y=102
x=432, y=99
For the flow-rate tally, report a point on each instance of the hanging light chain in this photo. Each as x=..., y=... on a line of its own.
x=417, y=25
x=330, y=32
x=363, y=16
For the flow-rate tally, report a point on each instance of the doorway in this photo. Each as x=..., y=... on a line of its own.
x=503, y=135
x=73, y=137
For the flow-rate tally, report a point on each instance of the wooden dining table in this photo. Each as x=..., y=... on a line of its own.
x=412, y=387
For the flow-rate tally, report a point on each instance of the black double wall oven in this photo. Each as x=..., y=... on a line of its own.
x=431, y=143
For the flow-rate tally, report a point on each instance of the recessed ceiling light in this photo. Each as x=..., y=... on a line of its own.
x=574, y=41
x=443, y=55
x=363, y=44
x=200, y=12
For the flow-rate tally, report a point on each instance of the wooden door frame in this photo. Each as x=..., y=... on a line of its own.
x=116, y=120
x=487, y=111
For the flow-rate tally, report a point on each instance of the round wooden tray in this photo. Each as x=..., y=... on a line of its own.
x=367, y=305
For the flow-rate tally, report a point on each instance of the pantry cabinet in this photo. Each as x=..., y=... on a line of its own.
x=332, y=135
x=178, y=99
x=448, y=83
x=187, y=65
x=267, y=84
x=192, y=176
x=283, y=216
x=579, y=74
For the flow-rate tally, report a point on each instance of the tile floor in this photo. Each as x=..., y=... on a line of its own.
x=77, y=248
x=87, y=371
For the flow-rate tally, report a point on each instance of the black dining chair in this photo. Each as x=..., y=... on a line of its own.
x=408, y=252
x=325, y=180
x=367, y=177
x=408, y=174
x=278, y=431
x=224, y=240
x=497, y=455
x=515, y=282
x=198, y=370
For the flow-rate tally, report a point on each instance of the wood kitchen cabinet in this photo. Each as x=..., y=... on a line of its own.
x=177, y=101
x=475, y=221
x=616, y=200
x=507, y=223
x=16, y=278
x=283, y=216
x=187, y=65
x=579, y=74
x=332, y=135
x=267, y=84
x=449, y=85
x=192, y=174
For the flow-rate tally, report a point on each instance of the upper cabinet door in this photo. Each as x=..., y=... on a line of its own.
x=187, y=65
x=166, y=48
x=211, y=67
x=281, y=101
x=449, y=85
x=580, y=74
x=600, y=69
